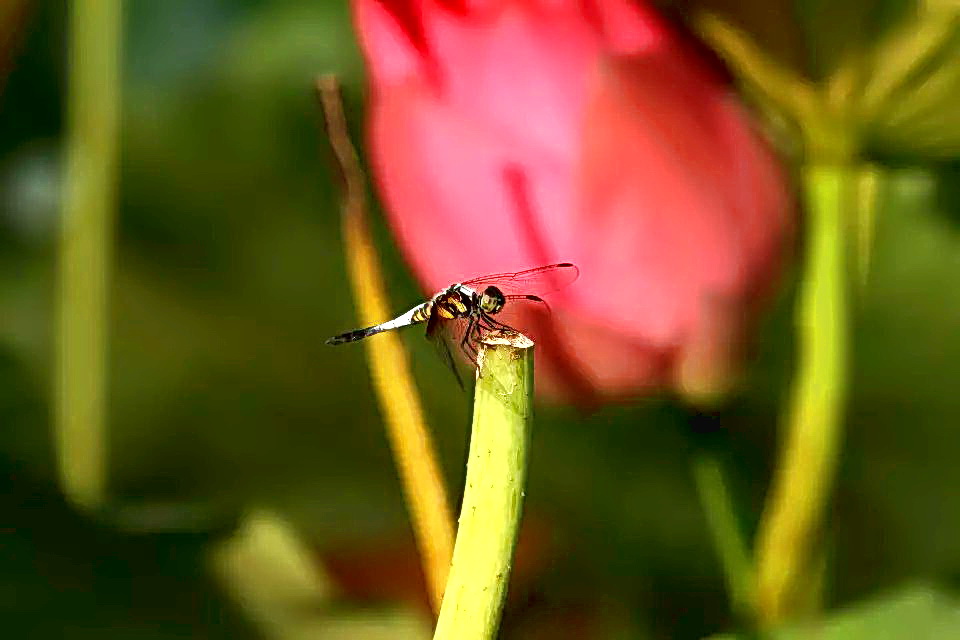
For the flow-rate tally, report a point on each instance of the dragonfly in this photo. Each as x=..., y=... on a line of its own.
x=464, y=312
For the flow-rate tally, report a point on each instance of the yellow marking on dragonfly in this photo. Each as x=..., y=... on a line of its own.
x=422, y=314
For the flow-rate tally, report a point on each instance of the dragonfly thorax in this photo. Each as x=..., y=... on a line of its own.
x=460, y=301
x=456, y=302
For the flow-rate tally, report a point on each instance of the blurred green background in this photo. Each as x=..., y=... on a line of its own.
x=229, y=275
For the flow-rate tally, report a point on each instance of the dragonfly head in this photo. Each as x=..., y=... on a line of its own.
x=491, y=300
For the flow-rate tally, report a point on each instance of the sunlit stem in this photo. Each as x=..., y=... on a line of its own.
x=493, y=498
x=407, y=431
x=811, y=425
x=89, y=199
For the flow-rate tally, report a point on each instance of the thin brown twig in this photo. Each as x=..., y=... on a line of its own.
x=409, y=437
x=350, y=173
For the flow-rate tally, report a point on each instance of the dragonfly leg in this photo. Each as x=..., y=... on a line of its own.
x=466, y=343
x=490, y=323
x=468, y=333
x=531, y=298
x=473, y=336
x=477, y=333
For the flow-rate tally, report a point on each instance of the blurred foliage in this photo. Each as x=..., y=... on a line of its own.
x=914, y=612
x=229, y=276
x=837, y=80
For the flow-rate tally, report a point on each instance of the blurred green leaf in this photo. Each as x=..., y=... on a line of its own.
x=917, y=613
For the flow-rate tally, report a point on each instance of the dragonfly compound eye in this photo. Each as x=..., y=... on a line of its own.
x=491, y=300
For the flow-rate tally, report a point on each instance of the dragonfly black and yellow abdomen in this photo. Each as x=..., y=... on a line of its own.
x=417, y=315
x=422, y=313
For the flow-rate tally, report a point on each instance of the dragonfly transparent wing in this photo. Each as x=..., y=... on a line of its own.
x=457, y=341
x=447, y=337
x=525, y=314
x=536, y=282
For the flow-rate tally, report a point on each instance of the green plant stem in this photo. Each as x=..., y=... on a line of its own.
x=728, y=540
x=493, y=498
x=812, y=424
x=85, y=248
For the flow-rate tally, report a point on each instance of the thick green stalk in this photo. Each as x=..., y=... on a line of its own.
x=85, y=247
x=812, y=424
x=493, y=498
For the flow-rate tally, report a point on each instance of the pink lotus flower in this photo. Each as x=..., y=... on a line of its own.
x=505, y=134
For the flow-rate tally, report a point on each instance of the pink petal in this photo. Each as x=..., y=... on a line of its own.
x=649, y=182
x=518, y=71
x=628, y=27
x=392, y=40
x=442, y=178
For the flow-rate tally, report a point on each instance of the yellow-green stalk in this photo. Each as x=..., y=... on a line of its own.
x=812, y=423
x=493, y=497
x=407, y=431
x=80, y=385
